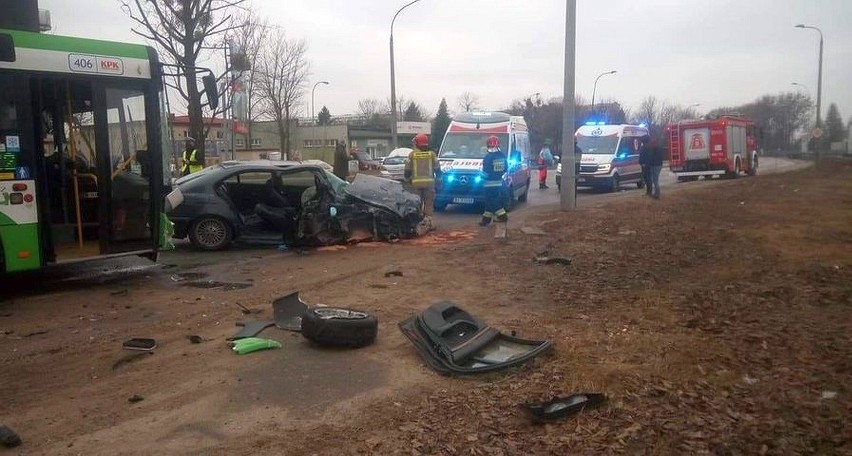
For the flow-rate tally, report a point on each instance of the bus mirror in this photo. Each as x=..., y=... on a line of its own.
x=211, y=90
x=7, y=48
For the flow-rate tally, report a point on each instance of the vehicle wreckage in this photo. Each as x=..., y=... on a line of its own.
x=290, y=203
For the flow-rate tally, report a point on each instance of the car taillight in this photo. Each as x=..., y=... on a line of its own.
x=19, y=187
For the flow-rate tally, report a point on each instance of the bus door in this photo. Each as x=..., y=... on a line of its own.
x=94, y=165
x=20, y=242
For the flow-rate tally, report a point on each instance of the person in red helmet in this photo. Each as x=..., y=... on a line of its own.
x=421, y=170
x=494, y=166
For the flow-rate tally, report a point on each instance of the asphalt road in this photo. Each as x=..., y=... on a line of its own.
x=457, y=216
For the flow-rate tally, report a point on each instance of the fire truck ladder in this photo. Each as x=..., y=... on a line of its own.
x=674, y=144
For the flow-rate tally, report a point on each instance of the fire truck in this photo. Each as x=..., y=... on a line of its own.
x=725, y=146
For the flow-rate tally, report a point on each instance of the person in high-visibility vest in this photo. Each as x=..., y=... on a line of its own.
x=494, y=166
x=421, y=170
x=189, y=161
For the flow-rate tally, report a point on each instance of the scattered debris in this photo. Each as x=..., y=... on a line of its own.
x=749, y=381
x=196, y=339
x=283, y=248
x=500, y=230
x=288, y=311
x=562, y=407
x=123, y=292
x=213, y=284
x=35, y=333
x=451, y=341
x=331, y=248
x=135, y=398
x=9, y=438
x=251, y=329
x=564, y=261
x=533, y=231
x=139, y=343
x=245, y=310
x=127, y=359
x=828, y=395
x=187, y=276
x=395, y=273
x=627, y=232
x=378, y=285
x=336, y=327
x=253, y=344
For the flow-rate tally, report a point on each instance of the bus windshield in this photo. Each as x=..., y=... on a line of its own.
x=469, y=145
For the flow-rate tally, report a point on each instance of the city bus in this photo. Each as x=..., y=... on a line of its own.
x=82, y=167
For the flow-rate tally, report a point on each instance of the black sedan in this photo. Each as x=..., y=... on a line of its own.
x=290, y=203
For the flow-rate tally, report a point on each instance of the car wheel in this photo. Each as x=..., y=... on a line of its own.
x=523, y=198
x=337, y=327
x=615, y=184
x=509, y=201
x=210, y=233
x=640, y=184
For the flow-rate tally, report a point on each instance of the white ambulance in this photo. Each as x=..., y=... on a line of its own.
x=610, y=156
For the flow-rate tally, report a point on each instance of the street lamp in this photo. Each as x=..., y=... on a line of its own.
x=595, y=88
x=393, y=77
x=694, y=105
x=819, y=82
x=312, y=97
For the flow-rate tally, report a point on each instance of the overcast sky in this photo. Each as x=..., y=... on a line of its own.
x=712, y=52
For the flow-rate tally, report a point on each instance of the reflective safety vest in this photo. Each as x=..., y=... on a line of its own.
x=190, y=164
x=423, y=164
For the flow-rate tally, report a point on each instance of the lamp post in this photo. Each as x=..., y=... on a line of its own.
x=694, y=105
x=312, y=97
x=393, y=77
x=595, y=88
x=819, y=85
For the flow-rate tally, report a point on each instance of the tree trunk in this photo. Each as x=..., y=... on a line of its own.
x=287, y=131
x=282, y=136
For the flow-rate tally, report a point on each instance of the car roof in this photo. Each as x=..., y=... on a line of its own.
x=277, y=163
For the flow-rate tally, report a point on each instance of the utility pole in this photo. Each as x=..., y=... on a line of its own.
x=568, y=193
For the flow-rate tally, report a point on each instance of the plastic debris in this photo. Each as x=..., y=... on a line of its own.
x=253, y=344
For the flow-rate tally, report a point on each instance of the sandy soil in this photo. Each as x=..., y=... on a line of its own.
x=717, y=320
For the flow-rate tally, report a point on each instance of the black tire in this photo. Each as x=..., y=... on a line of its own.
x=211, y=233
x=509, y=200
x=523, y=198
x=736, y=172
x=337, y=327
x=615, y=184
x=640, y=184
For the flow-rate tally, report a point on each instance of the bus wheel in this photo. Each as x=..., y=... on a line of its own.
x=210, y=233
x=615, y=184
x=752, y=168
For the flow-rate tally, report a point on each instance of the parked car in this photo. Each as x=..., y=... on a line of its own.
x=365, y=162
x=394, y=164
x=291, y=203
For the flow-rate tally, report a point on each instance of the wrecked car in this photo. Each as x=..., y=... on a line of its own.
x=451, y=341
x=290, y=203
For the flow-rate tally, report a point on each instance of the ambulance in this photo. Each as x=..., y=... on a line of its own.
x=464, y=148
x=610, y=156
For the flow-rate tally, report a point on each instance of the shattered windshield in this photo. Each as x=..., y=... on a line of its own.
x=337, y=184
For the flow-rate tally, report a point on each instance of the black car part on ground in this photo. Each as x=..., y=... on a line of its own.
x=451, y=341
x=563, y=407
x=250, y=329
x=288, y=311
x=336, y=327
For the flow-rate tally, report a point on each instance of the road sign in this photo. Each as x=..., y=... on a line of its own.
x=816, y=132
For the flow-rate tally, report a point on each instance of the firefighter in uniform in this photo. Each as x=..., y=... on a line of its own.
x=421, y=170
x=189, y=161
x=494, y=166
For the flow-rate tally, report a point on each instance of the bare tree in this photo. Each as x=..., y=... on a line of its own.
x=648, y=111
x=468, y=101
x=249, y=36
x=181, y=30
x=370, y=107
x=281, y=78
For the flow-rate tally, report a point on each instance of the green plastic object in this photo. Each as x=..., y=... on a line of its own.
x=253, y=344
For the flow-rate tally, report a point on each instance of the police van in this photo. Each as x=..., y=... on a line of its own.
x=610, y=156
x=463, y=149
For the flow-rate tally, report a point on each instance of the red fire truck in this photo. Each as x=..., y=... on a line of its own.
x=725, y=146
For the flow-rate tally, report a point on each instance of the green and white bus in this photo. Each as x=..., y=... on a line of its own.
x=82, y=165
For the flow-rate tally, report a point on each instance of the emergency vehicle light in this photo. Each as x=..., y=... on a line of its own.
x=451, y=178
x=591, y=122
x=477, y=179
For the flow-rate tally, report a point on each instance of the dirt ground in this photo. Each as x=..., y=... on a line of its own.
x=717, y=320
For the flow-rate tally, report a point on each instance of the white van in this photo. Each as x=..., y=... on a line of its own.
x=463, y=149
x=610, y=155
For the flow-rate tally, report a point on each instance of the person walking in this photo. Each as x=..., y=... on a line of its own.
x=655, y=163
x=494, y=166
x=644, y=154
x=545, y=160
x=341, y=160
x=421, y=170
x=189, y=161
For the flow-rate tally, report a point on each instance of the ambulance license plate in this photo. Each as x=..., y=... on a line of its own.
x=462, y=200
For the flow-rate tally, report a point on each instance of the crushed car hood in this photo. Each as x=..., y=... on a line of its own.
x=386, y=193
